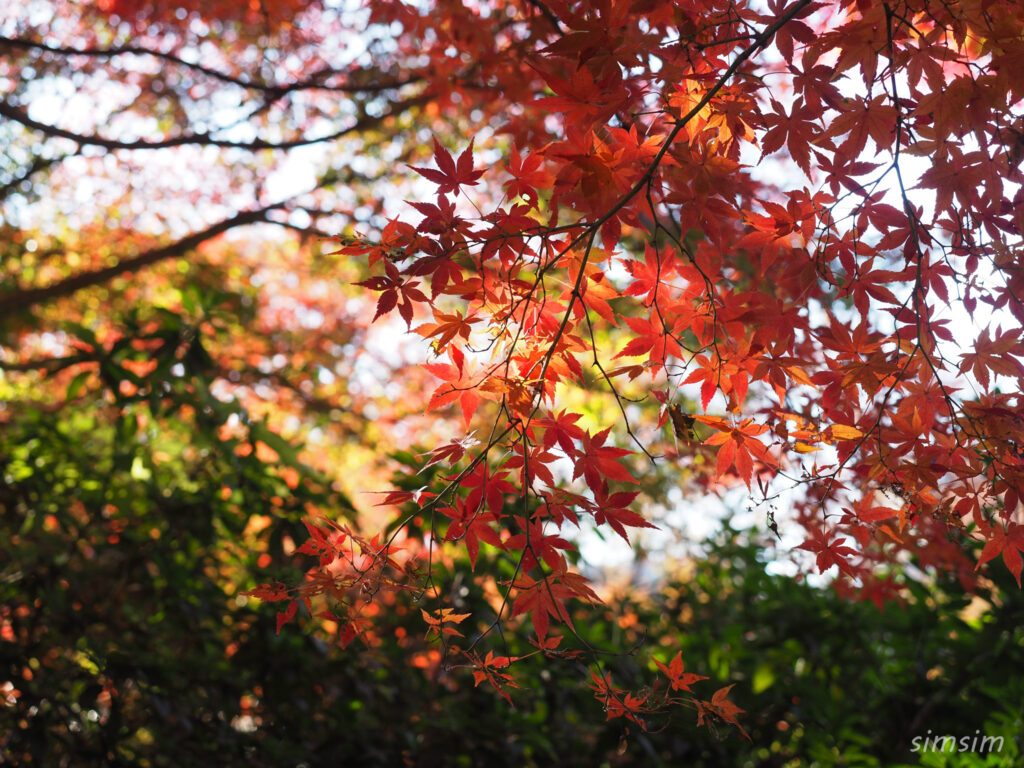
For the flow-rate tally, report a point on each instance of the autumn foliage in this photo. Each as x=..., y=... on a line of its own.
x=773, y=250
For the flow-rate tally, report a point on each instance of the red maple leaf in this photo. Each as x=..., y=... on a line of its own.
x=392, y=287
x=1008, y=542
x=595, y=462
x=829, y=551
x=721, y=707
x=995, y=355
x=545, y=598
x=452, y=174
x=561, y=428
x=539, y=543
x=740, y=447
x=799, y=131
x=528, y=175
x=678, y=677
x=614, y=510
x=471, y=525
x=459, y=385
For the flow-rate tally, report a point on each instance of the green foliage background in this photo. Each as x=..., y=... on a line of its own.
x=126, y=540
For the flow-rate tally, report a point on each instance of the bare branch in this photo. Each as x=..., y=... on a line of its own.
x=19, y=115
x=313, y=82
x=38, y=164
x=24, y=299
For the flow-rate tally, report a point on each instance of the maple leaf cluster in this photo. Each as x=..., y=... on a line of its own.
x=803, y=310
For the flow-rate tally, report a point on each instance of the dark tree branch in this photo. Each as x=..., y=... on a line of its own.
x=38, y=164
x=314, y=82
x=49, y=365
x=19, y=115
x=18, y=301
x=548, y=14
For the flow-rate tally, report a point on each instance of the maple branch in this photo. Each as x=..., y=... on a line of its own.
x=575, y=295
x=919, y=292
x=49, y=365
x=593, y=227
x=313, y=82
x=306, y=232
x=21, y=116
x=615, y=392
x=38, y=164
x=24, y=299
x=674, y=234
x=548, y=14
x=760, y=41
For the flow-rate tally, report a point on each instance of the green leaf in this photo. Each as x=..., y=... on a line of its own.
x=763, y=679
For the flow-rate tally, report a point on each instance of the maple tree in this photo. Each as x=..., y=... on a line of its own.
x=775, y=247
